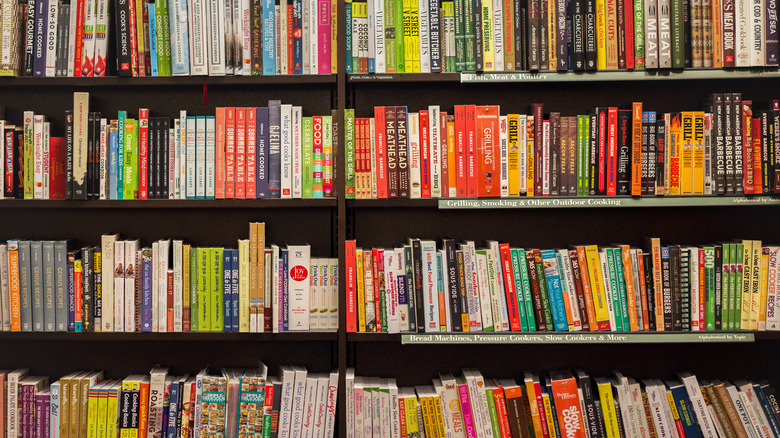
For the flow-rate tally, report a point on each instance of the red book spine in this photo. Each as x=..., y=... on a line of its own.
x=143, y=153
x=488, y=152
x=425, y=153
x=602, y=151
x=230, y=152
x=290, y=57
x=471, y=148
x=538, y=110
x=251, y=151
x=628, y=9
x=509, y=288
x=776, y=125
x=756, y=160
x=8, y=144
x=375, y=256
x=349, y=261
x=219, y=188
x=240, y=153
x=133, y=39
x=57, y=158
x=80, y=35
x=77, y=283
x=612, y=152
x=503, y=416
x=445, y=164
x=169, y=314
x=747, y=147
x=380, y=142
x=540, y=407
x=460, y=142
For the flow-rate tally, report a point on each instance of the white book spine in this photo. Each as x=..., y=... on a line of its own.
x=200, y=157
x=476, y=405
x=484, y=291
x=498, y=36
x=51, y=37
x=430, y=286
x=500, y=285
x=246, y=38
x=198, y=38
x=472, y=287
x=379, y=36
x=522, y=138
x=773, y=291
x=321, y=408
x=309, y=405
x=434, y=117
x=651, y=33
x=175, y=192
x=131, y=247
x=333, y=284
x=216, y=51
x=191, y=161
x=313, y=45
x=119, y=286
x=395, y=416
x=182, y=150
x=314, y=294
x=14, y=422
x=178, y=285
x=286, y=407
x=88, y=54
x=162, y=286
x=403, y=309
x=54, y=410
x=156, y=398
x=350, y=396
x=8, y=13
x=425, y=35
x=391, y=292
x=286, y=150
x=755, y=405
x=324, y=294
x=281, y=42
x=413, y=138
x=742, y=35
x=503, y=136
x=103, y=162
x=297, y=152
x=72, y=41
x=180, y=36
x=156, y=310
x=211, y=150
x=757, y=24
x=5, y=311
x=299, y=285
x=38, y=156
x=742, y=411
x=306, y=12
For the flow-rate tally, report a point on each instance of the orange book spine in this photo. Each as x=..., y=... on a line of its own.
x=675, y=144
x=443, y=153
x=251, y=152
x=143, y=409
x=529, y=164
x=230, y=152
x=13, y=281
x=567, y=406
x=502, y=414
x=219, y=188
x=452, y=158
x=717, y=34
x=757, y=184
x=488, y=181
x=240, y=153
x=628, y=274
x=380, y=140
x=586, y=289
x=472, y=152
x=636, y=150
x=643, y=290
x=376, y=255
x=462, y=153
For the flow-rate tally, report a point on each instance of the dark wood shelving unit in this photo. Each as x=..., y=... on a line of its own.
x=157, y=81
x=169, y=203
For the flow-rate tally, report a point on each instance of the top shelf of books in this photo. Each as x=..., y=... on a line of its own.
x=113, y=81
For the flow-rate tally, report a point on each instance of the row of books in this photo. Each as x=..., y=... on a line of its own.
x=48, y=38
x=232, y=402
x=476, y=151
x=431, y=36
x=170, y=286
x=242, y=153
x=561, y=404
x=461, y=287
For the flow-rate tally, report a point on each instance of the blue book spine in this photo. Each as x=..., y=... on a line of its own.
x=261, y=148
x=113, y=152
x=227, y=275
x=269, y=37
x=348, y=36
x=166, y=407
x=153, y=40
x=687, y=418
x=180, y=46
x=146, y=297
x=285, y=290
x=434, y=25
x=274, y=149
x=39, y=49
x=234, y=286
x=173, y=410
x=554, y=290
x=767, y=410
x=71, y=297
x=120, y=155
x=297, y=37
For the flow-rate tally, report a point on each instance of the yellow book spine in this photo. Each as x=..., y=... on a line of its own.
x=93, y=400
x=409, y=48
x=112, y=405
x=698, y=153
x=361, y=305
x=488, y=51
x=436, y=402
x=334, y=36
x=608, y=410
x=686, y=159
x=102, y=413
x=412, y=425
x=756, y=266
x=529, y=160
x=126, y=388
x=601, y=34
x=675, y=412
x=764, y=287
x=534, y=408
x=513, y=154
x=597, y=287
x=552, y=47
x=244, y=288
x=747, y=270
x=548, y=414
x=611, y=33
x=428, y=422
x=415, y=28
x=134, y=386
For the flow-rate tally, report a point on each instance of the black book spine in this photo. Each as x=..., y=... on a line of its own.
x=687, y=33
x=765, y=148
x=519, y=13
x=728, y=142
x=410, y=291
x=593, y=159
x=590, y=405
x=478, y=42
x=600, y=420
x=534, y=11
x=544, y=40
x=87, y=301
x=590, y=34
x=676, y=275
x=718, y=286
x=61, y=64
x=123, y=54
x=647, y=264
x=152, y=158
x=453, y=282
x=524, y=38
x=736, y=113
x=578, y=34
x=624, y=152
x=30, y=39
x=719, y=174
x=91, y=155
x=555, y=153
x=19, y=165
x=562, y=34
x=166, y=156
x=666, y=275
x=418, y=284
x=69, y=154
x=158, y=164
x=257, y=35
x=660, y=151
x=652, y=147
x=96, y=162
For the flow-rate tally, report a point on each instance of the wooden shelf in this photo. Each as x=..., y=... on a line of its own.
x=524, y=338
x=169, y=203
x=403, y=77
x=170, y=337
x=115, y=81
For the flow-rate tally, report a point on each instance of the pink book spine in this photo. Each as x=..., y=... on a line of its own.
x=465, y=407
x=323, y=36
x=251, y=152
x=219, y=189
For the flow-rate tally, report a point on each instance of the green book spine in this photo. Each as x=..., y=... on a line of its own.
x=685, y=288
x=448, y=11
x=349, y=148
x=516, y=269
x=727, y=277
x=460, y=36
x=491, y=401
x=527, y=301
x=390, y=36
x=308, y=167
x=216, y=289
x=678, y=39
x=29, y=161
x=470, y=36
x=709, y=288
x=546, y=309
x=580, y=156
x=485, y=327
x=120, y=155
x=399, y=40
x=356, y=7
x=382, y=298
x=193, y=255
x=586, y=132
x=131, y=160
x=736, y=296
x=621, y=280
x=348, y=35
x=163, y=38
x=204, y=297
x=639, y=35
x=613, y=287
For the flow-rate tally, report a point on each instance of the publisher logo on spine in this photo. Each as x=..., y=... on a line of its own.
x=299, y=273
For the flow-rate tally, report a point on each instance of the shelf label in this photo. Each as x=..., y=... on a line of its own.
x=600, y=202
x=574, y=338
x=377, y=77
x=569, y=76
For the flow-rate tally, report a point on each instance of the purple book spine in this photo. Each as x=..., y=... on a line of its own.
x=261, y=149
